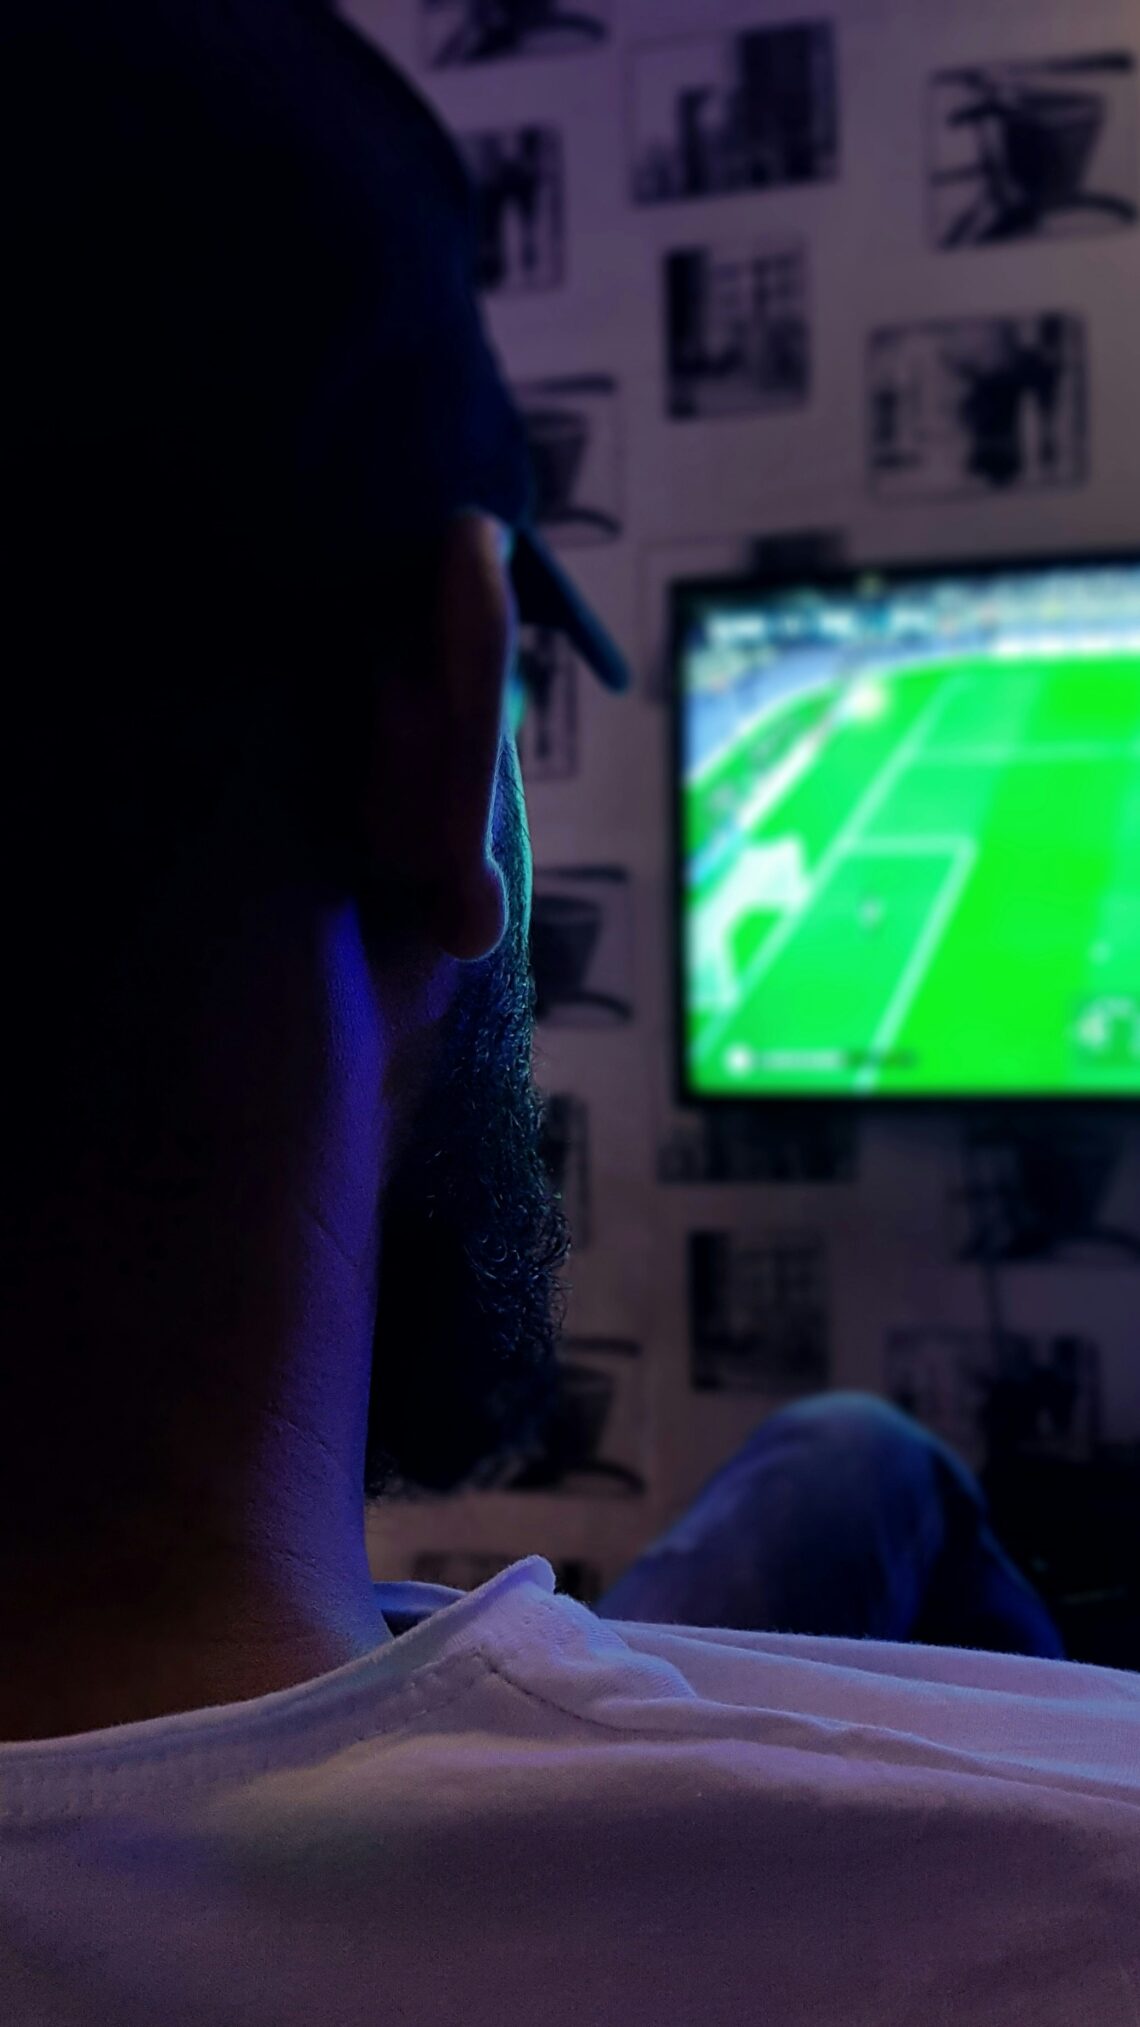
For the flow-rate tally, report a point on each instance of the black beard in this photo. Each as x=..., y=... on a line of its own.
x=465, y=1377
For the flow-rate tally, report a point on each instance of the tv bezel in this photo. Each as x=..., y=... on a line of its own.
x=747, y=587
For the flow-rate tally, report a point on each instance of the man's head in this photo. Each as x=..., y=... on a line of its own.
x=282, y=993
x=273, y=1139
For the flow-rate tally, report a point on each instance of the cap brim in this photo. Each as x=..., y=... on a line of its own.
x=546, y=597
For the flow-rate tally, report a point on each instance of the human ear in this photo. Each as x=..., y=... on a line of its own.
x=435, y=736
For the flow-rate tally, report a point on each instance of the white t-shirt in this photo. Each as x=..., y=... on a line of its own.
x=516, y=1814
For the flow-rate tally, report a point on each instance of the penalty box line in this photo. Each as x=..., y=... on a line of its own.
x=963, y=858
x=840, y=848
x=962, y=853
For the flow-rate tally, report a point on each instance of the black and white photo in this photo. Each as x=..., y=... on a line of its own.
x=726, y=1144
x=992, y=1396
x=581, y=946
x=755, y=110
x=481, y=31
x=519, y=185
x=1027, y=1193
x=572, y=430
x=547, y=738
x=758, y=1313
x=595, y=1445
x=977, y=405
x=737, y=334
x=566, y=1158
x=1032, y=151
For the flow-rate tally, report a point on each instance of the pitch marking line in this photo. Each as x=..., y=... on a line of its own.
x=837, y=851
x=965, y=856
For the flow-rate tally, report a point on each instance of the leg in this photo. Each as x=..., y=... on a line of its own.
x=840, y=1516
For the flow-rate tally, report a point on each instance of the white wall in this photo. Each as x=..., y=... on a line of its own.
x=693, y=494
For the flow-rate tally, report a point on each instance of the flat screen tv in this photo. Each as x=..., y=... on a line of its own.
x=907, y=834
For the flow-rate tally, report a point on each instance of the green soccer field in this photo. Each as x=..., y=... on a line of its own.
x=925, y=881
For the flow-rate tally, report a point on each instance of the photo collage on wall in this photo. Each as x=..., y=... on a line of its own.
x=716, y=116
x=1018, y=153
x=734, y=145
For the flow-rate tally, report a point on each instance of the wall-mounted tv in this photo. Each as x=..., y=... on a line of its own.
x=907, y=834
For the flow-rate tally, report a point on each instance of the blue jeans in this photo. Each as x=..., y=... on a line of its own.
x=840, y=1516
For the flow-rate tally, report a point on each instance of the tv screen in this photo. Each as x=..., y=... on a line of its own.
x=907, y=834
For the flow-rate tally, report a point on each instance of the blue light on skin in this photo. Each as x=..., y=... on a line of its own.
x=516, y=698
x=514, y=711
x=516, y=688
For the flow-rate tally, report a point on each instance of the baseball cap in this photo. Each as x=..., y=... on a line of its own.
x=485, y=459
x=548, y=597
x=248, y=309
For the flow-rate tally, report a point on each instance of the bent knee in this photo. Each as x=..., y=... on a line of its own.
x=850, y=1415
